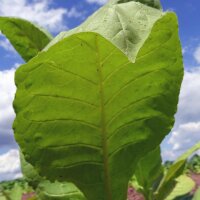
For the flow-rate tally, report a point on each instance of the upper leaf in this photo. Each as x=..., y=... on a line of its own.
x=151, y=3
x=86, y=114
x=27, y=38
x=126, y=25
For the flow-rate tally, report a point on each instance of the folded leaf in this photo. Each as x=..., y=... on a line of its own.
x=27, y=38
x=152, y=3
x=86, y=114
x=176, y=169
x=126, y=25
x=183, y=186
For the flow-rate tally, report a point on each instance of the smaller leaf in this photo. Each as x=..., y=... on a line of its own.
x=15, y=193
x=27, y=38
x=183, y=186
x=47, y=190
x=148, y=170
x=29, y=173
x=176, y=169
x=58, y=191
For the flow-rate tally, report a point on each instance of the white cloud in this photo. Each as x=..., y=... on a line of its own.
x=197, y=55
x=9, y=160
x=73, y=12
x=10, y=165
x=185, y=136
x=100, y=2
x=186, y=131
x=184, y=50
x=168, y=155
x=40, y=12
x=7, y=92
x=189, y=106
x=5, y=44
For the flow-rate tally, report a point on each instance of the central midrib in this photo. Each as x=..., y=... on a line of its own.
x=103, y=127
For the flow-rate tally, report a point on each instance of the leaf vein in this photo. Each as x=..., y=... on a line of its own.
x=75, y=120
x=67, y=98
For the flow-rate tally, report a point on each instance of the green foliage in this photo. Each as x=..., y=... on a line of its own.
x=92, y=105
x=194, y=164
x=184, y=185
x=149, y=170
x=8, y=185
x=47, y=190
x=29, y=173
x=168, y=164
x=149, y=181
x=74, y=107
x=13, y=190
x=176, y=169
x=26, y=38
x=15, y=193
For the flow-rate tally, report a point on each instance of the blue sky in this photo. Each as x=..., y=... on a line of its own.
x=187, y=11
x=60, y=15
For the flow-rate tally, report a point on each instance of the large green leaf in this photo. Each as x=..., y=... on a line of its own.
x=183, y=186
x=26, y=38
x=126, y=25
x=148, y=170
x=86, y=114
x=176, y=169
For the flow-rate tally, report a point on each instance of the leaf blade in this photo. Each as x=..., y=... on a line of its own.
x=26, y=38
x=183, y=186
x=91, y=124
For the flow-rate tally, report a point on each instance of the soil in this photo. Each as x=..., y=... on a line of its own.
x=134, y=195
x=196, y=179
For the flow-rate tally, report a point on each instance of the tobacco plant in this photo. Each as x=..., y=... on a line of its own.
x=154, y=182
x=98, y=98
